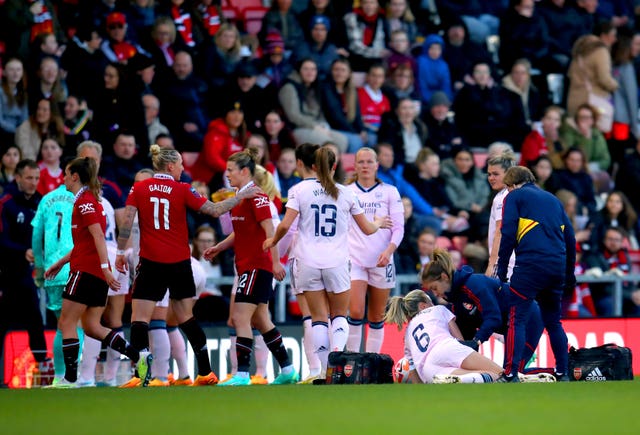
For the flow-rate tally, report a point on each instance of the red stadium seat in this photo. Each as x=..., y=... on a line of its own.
x=634, y=256
x=348, y=162
x=252, y=18
x=241, y=5
x=230, y=14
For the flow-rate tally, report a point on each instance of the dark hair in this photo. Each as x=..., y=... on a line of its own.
x=26, y=163
x=246, y=159
x=325, y=160
x=306, y=153
x=87, y=170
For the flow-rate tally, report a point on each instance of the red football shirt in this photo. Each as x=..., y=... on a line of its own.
x=249, y=235
x=162, y=204
x=86, y=211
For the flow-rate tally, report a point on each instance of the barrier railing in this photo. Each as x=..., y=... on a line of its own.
x=281, y=289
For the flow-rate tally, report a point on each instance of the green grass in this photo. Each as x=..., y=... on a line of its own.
x=585, y=408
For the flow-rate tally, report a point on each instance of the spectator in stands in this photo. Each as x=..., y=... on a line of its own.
x=51, y=175
x=612, y=259
x=544, y=138
x=393, y=174
x=340, y=105
x=564, y=28
x=586, y=15
x=151, y=115
x=255, y=100
x=373, y=102
x=424, y=175
x=225, y=136
x=617, y=212
x=45, y=122
x=286, y=176
x=143, y=72
x=408, y=259
x=404, y=131
x=339, y=174
x=141, y=15
x=44, y=45
x=184, y=100
x=480, y=17
x=122, y=166
x=575, y=178
x=366, y=34
x=259, y=143
x=542, y=168
x=300, y=100
x=433, y=71
x=117, y=108
x=190, y=32
x=523, y=35
x=582, y=133
x=580, y=220
x=221, y=58
x=468, y=189
x=84, y=62
x=486, y=112
x=443, y=133
x=117, y=48
x=461, y=53
x=281, y=18
x=400, y=52
x=519, y=82
x=13, y=99
x=628, y=176
x=625, y=129
x=22, y=21
x=275, y=68
x=590, y=68
x=77, y=123
x=400, y=17
x=401, y=84
x=335, y=26
x=277, y=134
x=48, y=84
x=318, y=46
x=162, y=47
x=9, y=159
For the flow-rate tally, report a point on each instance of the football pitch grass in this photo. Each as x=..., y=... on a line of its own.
x=562, y=408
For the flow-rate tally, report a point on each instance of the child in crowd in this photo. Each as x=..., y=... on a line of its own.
x=51, y=175
x=400, y=52
x=433, y=71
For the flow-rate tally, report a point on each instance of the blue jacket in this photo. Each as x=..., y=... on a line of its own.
x=394, y=177
x=535, y=226
x=16, y=214
x=433, y=74
x=477, y=295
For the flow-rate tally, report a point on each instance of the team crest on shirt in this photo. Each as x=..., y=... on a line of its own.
x=261, y=201
x=378, y=195
x=87, y=208
x=469, y=307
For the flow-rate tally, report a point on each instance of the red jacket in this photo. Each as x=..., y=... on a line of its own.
x=218, y=146
x=533, y=146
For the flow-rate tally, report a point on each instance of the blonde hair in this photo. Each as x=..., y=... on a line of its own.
x=265, y=181
x=441, y=262
x=161, y=157
x=403, y=308
x=164, y=21
x=354, y=177
x=228, y=27
x=89, y=144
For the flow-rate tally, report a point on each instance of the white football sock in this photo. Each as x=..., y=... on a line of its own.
x=178, y=351
x=309, y=350
x=90, y=354
x=339, y=332
x=161, y=350
x=355, y=335
x=321, y=344
x=261, y=353
x=375, y=337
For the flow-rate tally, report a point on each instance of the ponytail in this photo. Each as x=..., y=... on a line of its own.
x=441, y=262
x=401, y=309
x=325, y=161
x=87, y=170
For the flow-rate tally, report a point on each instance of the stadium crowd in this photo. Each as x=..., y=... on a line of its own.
x=437, y=88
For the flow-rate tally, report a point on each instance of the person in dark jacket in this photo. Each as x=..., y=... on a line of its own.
x=479, y=302
x=318, y=47
x=536, y=227
x=404, y=131
x=19, y=303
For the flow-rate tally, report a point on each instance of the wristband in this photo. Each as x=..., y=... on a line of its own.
x=104, y=266
x=119, y=251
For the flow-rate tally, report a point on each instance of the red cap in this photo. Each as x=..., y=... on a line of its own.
x=116, y=18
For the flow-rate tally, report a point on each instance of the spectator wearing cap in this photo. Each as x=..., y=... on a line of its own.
x=300, y=101
x=318, y=47
x=461, y=53
x=433, y=71
x=183, y=99
x=222, y=57
x=486, y=112
x=443, y=133
x=367, y=34
x=328, y=9
x=116, y=47
x=225, y=136
x=281, y=18
x=143, y=69
x=254, y=100
x=275, y=67
x=84, y=62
